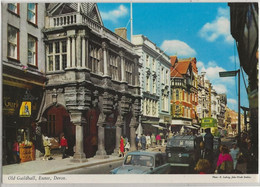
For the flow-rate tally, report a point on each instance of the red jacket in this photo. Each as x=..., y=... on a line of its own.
x=63, y=142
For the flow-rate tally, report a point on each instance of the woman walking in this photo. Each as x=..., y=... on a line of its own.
x=122, y=146
x=63, y=146
x=225, y=161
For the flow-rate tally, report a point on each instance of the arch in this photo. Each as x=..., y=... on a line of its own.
x=58, y=122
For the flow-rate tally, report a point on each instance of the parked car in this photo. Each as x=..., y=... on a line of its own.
x=142, y=162
x=183, y=151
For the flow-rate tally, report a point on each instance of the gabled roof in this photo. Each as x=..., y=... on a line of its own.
x=179, y=69
x=193, y=62
x=88, y=9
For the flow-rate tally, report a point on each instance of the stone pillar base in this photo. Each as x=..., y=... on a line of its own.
x=116, y=151
x=101, y=154
x=79, y=158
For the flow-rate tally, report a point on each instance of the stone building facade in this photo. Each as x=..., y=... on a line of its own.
x=92, y=94
x=155, y=84
x=23, y=77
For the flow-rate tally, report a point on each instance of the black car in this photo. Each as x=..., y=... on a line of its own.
x=183, y=151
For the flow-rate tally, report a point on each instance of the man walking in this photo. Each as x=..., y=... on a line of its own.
x=143, y=141
x=209, y=138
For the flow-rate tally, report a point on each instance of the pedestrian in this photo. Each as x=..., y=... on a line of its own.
x=16, y=154
x=153, y=140
x=63, y=146
x=208, y=139
x=202, y=166
x=143, y=141
x=47, y=148
x=225, y=161
x=158, y=139
x=202, y=153
x=234, y=152
x=162, y=138
x=170, y=135
x=137, y=141
x=127, y=147
x=148, y=141
x=122, y=147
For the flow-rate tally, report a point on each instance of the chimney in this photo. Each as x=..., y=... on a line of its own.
x=121, y=32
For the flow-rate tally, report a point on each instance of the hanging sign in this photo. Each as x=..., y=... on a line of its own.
x=26, y=109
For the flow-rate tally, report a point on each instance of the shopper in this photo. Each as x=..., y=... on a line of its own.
x=234, y=152
x=153, y=140
x=225, y=161
x=47, y=148
x=143, y=141
x=63, y=146
x=202, y=166
x=122, y=147
x=208, y=139
x=158, y=139
x=16, y=154
x=148, y=141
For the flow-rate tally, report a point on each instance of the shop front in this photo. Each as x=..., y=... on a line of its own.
x=21, y=103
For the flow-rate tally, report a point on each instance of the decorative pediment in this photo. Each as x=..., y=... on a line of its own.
x=88, y=9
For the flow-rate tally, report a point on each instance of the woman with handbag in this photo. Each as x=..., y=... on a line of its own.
x=225, y=161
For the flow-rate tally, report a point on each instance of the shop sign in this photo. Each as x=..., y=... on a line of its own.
x=25, y=109
x=10, y=105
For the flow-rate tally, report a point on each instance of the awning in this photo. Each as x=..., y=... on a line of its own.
x=198, y=126
x=159, y=127
x=151, y=122
x=189, y=126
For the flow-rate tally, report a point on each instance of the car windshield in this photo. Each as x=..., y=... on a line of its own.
x=139, y=160
x=180, y=143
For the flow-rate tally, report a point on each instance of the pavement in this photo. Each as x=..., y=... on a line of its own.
x=58, y=165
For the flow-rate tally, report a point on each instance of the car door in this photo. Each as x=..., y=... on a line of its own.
x=160, y=166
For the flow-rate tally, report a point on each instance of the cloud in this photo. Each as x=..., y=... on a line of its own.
x=218, y=28
x=114, y=15
x=177, y=47
x=220, y=88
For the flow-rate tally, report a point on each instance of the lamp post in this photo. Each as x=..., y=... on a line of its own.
x=232, y=74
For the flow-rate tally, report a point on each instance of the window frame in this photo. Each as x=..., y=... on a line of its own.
x=35, y=14
x=17, y=5
x=35, y=51
x=51, y=54
x=17, y=51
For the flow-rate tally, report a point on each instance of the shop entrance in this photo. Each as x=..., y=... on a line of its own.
x=58, y=123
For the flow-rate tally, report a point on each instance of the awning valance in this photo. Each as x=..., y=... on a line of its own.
x=159, y=127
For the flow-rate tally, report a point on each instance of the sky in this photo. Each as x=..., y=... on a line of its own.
x=200, y=30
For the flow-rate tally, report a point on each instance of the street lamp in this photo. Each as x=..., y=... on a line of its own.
x=232, y=74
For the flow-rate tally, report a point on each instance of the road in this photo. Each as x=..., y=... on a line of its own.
x=107, y=167
x=97, y=169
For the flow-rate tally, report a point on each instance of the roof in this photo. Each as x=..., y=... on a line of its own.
x=193, y=62
x=180, y=69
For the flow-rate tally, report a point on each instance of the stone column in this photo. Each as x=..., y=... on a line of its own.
x=87, y=52
x=83, y=52
x=133, y=124
x=73, y=50
x=79, y=121
x=78, y=52
x=68, y=53
x=123, y=73
x=101, y=152
x=104, y=46
x=118, y=134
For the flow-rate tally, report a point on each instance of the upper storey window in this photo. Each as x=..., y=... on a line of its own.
x=13, y=43
x=32, y=13
x=57, y=55
x=32, y=50
x=14, y=7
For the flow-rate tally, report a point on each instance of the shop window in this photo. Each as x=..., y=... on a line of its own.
x=113, y=63
x=32, y=13
x=32, y=50
x=51, y=125
x=14, y=7
x=13, y=43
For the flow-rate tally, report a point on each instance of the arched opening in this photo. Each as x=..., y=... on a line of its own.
x=58, y=123
x=91, y=133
